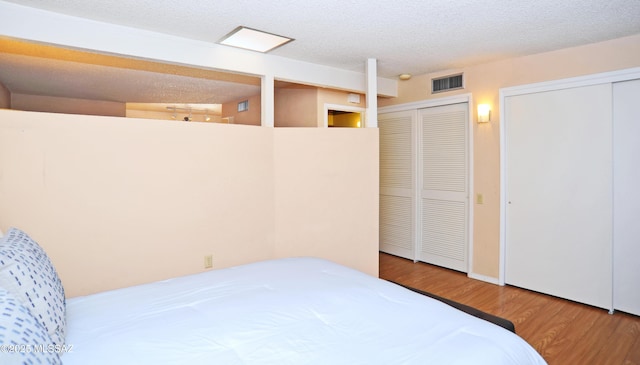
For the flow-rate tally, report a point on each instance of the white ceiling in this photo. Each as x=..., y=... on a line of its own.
x=405, y=36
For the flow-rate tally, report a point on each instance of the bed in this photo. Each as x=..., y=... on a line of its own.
x=284, y=311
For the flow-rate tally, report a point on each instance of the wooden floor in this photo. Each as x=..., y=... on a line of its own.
x=562, y=331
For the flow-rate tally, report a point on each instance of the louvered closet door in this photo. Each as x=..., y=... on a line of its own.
x=397, y=197
x=443, y=170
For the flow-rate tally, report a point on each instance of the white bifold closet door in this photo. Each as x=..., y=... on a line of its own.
x=397, y=183
x=443, y=185
x=424, y=184
x=559, y=193
x=626, y=196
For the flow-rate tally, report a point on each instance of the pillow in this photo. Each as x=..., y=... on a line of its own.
x=27, y=273
x=22, y=337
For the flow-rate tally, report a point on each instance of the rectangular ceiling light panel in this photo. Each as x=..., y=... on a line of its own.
x=255, y=40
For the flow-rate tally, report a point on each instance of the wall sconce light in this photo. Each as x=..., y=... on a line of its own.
x=484, y=113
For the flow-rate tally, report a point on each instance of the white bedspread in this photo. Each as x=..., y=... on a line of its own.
x=288, y=311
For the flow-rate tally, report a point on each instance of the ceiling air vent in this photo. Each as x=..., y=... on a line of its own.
x=446, y=83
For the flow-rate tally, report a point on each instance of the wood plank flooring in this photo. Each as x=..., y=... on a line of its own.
x=562, y=331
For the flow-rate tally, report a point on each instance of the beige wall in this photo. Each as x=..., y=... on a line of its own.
x=5, y=97
x=50, y=104
x=253, y=116
x=120, y=201
x=484, y=82
x=326, y=197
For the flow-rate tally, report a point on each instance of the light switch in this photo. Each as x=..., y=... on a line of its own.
x=479, y=199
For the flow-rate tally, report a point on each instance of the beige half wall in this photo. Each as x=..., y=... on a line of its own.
x=119, y=201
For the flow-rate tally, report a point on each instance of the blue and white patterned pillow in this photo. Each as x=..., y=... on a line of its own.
x=27, y=273
x=22, y=337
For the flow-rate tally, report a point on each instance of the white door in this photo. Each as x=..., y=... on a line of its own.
x=397, y=183
x=559, y=200
x=443, y=185
x=626, y=196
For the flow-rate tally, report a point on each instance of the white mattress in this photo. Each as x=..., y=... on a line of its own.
x=287, y=311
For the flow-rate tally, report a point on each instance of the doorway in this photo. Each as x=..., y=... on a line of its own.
x=343, y=116
x=342, y=119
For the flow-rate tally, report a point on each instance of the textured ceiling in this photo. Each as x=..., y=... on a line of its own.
x=404, y=36
x=87, y=81
x=35, y=69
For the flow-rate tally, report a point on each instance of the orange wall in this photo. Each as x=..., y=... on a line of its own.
x=304, y=106
x=253, y=116
x=484, y=82
x=52, y=104
x=198, y=116
x=122, y=201
x=329, y=96
x=295, y=107
x=349, y=120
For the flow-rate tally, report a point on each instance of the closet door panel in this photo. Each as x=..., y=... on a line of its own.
x=626, y=196
x=443, y=177
x=559, y=200
x=397, y=183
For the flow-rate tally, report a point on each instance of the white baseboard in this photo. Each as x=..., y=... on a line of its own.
x=488, y=279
